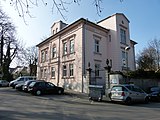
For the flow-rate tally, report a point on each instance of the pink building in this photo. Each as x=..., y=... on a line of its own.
x=64, y=56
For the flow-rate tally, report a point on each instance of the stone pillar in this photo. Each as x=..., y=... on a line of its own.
x=88, y=76
x=107, y=73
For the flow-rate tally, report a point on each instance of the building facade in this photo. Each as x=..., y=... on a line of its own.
x=65, y=55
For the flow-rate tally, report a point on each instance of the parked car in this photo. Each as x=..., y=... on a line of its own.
x=128, y=93
x=154, y=93
x=21, y=80
x=42, y=87
x=19, y=86
x=26, y=85
x=4, y=83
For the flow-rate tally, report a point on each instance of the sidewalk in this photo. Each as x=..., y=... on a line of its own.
x=76, y=94
x=83, y=95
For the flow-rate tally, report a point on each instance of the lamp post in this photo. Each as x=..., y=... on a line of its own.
x=127, y=49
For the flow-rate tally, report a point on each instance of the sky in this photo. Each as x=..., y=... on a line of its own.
x=143, y=16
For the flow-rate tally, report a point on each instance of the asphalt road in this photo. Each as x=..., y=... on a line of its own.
x=15, y=105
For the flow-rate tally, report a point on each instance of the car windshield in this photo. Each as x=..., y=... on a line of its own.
x=32, y=84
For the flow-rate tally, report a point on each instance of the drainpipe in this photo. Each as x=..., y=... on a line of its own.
x=58, y=63
x=84, y=59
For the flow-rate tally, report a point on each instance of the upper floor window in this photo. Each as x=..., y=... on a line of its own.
x=42, y=56
x=71, y=46
x=123, y=36
x=96, y=46
x=54, y=52
x=64, y=48
x=53, y=72
x=109, y=38
x=64, y=70
x=46, y=55
x=71, y=69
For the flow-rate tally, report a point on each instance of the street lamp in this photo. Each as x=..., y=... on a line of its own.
x=127, y=49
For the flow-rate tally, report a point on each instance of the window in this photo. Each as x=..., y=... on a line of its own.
x=56, y=30
x=97, y=67
x=45, y=73
x=109, y=38
x=123, y=58
x=42, y=56
x=54, y=52
x=71, y=69
x=97, y=46
x=123, y=36
x=46, y=55
x=71, y=46
x=53, y=72
x=64, y=70
x=65, y=48
x=41, y=73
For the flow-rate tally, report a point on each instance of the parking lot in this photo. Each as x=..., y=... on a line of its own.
x=16, y=105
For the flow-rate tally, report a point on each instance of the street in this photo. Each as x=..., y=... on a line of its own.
x=16, y=105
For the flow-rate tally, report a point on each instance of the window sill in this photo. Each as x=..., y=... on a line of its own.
x=97, y=53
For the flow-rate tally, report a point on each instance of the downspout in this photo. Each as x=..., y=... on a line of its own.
x=83, y=51
x=58, y=63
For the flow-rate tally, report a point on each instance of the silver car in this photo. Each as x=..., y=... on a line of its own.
x=4, y=83
x=128, y=93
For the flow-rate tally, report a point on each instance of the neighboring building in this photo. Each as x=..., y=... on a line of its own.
x=64, y=57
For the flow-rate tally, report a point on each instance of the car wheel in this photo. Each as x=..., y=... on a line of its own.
x=60, y=91
x=38, y=92
x=146, y=100
x=128, y=101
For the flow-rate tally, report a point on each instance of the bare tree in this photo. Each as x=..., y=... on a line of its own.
x=23, y=6
x=29, y=58
x=155, y=44
x=9, y=44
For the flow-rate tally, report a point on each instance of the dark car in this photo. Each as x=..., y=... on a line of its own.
x=42, y=87
x=26, y=85
x=154, y=93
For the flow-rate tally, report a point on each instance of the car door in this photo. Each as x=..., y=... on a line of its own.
x=140, y=93
x=50, y=88
x=132, y=93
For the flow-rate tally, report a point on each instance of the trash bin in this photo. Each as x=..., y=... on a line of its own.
x=95, y=92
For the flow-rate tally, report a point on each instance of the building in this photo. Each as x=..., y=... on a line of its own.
x=65, y=55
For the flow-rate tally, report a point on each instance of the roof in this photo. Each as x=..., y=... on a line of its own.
x=81, y=20
x=114, y=15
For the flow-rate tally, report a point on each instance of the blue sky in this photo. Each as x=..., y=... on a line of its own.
x=143, y=15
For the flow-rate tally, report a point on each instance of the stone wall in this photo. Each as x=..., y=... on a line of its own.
x=145, y=83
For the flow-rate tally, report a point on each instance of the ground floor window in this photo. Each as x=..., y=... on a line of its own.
x=53, y=72
x=64, y=70
x=71, y=69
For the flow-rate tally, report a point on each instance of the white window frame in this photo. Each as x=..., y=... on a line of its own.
x=54, y=52
x=71, y=46
x=97, y=45
x=52, y=72
x=71, y=70
x=65, y=48
x=123, y=36
x=64, y=70
x=42, y=56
